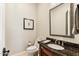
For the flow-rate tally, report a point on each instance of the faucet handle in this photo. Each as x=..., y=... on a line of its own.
x=62, y=43
x=59, y=42
x=55, y=41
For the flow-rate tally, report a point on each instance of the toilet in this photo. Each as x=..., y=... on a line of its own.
x=30, y=51
x=33, y=49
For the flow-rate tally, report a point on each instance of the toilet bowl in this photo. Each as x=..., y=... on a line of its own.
x=32, y=50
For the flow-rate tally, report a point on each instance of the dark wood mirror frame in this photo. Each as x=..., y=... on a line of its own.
x=71, y=22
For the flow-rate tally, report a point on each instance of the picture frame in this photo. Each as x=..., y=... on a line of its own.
x=28, y=24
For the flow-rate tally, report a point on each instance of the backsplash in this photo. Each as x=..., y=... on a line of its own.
x=72, y=40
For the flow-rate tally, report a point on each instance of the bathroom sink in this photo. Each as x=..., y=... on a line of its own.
x=55, y=46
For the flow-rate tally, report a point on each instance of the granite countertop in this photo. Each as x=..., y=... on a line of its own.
x=68, y=51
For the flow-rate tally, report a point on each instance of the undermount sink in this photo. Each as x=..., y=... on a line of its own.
x=55, y=46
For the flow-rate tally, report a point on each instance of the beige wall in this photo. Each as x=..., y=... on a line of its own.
x=15, y=36
x=43, y=23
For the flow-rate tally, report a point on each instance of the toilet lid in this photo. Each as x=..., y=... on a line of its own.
x=31, y=48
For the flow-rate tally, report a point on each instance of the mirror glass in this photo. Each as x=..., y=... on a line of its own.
x=60, y=20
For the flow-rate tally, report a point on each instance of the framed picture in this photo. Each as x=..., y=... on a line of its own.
x=28, y=24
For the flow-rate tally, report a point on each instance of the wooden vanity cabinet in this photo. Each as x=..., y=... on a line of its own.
x=46, y=52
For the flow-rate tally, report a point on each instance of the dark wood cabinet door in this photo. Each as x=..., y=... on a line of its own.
x=46, y=52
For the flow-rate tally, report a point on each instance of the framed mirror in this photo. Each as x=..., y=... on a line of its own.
x=61, y=20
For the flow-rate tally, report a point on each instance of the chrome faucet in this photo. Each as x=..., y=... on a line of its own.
x=59, y=42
